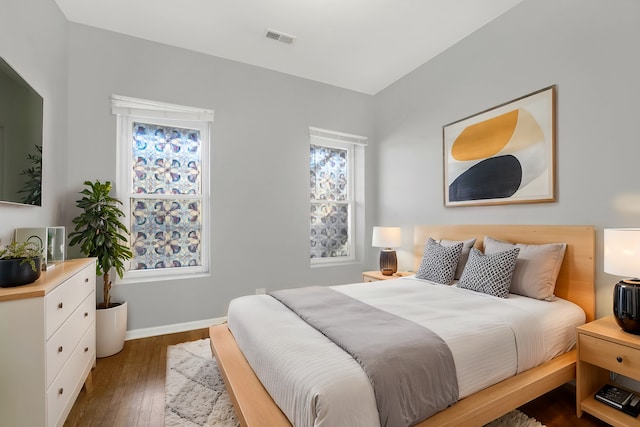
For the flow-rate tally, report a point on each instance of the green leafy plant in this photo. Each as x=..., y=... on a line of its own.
x=100, y=233
x=28, y=251
x=33, y=185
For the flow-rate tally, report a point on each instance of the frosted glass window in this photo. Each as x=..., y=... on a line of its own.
x=166, y=160
x=329, y=172
x=336, y=188
x=165, y=231
x=163, y=170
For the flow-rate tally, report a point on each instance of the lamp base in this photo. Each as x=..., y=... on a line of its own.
x=626, y=305
x=388, y=262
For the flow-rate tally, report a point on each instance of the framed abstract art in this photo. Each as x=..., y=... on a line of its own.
x=502, y=155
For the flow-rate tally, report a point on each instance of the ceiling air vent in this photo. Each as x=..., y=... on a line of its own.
x=281, y=37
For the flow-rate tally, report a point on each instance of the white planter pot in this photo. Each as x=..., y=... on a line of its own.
x=111, y=327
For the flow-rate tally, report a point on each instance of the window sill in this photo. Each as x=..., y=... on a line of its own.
x=333, y=263
x=159, y=277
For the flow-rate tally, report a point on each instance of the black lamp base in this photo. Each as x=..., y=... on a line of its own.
x=388, y=262
x=626, y=305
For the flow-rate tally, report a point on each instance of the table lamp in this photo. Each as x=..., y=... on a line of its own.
x=387, y=238
x=622, y=258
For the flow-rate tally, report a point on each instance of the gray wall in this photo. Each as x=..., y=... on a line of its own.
x=33, y=40
x=260, y=152
x=588, y=48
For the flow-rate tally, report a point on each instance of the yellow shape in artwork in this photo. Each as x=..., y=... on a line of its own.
x=527, y=133
x=485, y=139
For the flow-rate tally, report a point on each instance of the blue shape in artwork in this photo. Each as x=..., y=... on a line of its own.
x=494, y=178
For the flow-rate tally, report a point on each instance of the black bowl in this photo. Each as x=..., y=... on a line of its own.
x=18, y=272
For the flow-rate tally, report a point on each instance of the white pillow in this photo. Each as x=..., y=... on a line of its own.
x=489, y=273
x=439, y=262
x=537, y=266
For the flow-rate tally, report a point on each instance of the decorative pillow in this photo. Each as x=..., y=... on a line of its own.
x=489, y=274
x=439, y=262
x=537, y=266
x=464, y=255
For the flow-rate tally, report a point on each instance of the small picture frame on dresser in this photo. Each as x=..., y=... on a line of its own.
x=50, y=239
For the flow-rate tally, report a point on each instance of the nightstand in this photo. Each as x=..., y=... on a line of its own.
x=374, y=276
x=604, y=347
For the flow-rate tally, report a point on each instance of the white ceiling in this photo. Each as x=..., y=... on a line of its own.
x=362, y=45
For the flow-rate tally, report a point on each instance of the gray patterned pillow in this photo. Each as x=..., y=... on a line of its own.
x=489, y=273
x=439, y=262
x=464, y=255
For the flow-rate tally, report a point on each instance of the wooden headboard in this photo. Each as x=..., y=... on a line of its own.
x=576, y=281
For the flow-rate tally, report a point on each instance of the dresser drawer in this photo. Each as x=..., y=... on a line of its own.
x=63, y=342
x=609, y=355
x=63, y=300
x=66, y=386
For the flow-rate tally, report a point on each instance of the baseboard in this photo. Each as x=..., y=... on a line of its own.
x=172, y=329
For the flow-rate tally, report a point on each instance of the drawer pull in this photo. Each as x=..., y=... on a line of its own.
x=86, y=280
x=61, y=391
x=86, y=349
x=619, y=359
x=86, y=314
x=60, y=305
x=60, y=349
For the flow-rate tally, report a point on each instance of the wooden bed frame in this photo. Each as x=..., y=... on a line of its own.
x=255, y=408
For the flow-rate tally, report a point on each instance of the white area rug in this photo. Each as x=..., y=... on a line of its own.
x=195, y=394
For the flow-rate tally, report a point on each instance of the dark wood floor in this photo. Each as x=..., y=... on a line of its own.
x=128, y=390
x=558, y=409
x=128, y=387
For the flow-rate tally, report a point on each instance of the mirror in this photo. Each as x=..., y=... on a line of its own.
x=20, y=139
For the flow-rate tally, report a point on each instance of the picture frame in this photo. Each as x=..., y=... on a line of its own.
x=503, y=155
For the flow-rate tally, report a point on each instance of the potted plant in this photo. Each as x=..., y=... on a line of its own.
x=100, y=234
x=20, y=263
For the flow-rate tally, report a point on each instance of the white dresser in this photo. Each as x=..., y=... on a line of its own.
x=48, y=344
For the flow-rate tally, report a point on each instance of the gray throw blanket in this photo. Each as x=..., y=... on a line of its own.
x=410, y=368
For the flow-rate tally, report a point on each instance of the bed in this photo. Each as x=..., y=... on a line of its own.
x=255, y=407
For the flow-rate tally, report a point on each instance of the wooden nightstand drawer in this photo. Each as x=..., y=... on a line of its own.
x=614, y=357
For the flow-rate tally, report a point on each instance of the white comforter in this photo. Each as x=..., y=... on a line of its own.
x=316, y=383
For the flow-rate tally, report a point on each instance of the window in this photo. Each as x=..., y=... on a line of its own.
x=336, y=191
x=162, y=180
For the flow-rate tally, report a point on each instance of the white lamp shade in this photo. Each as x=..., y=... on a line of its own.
x=622, y=251
x=386, y=237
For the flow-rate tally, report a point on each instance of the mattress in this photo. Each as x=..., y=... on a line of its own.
x=316, y=383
